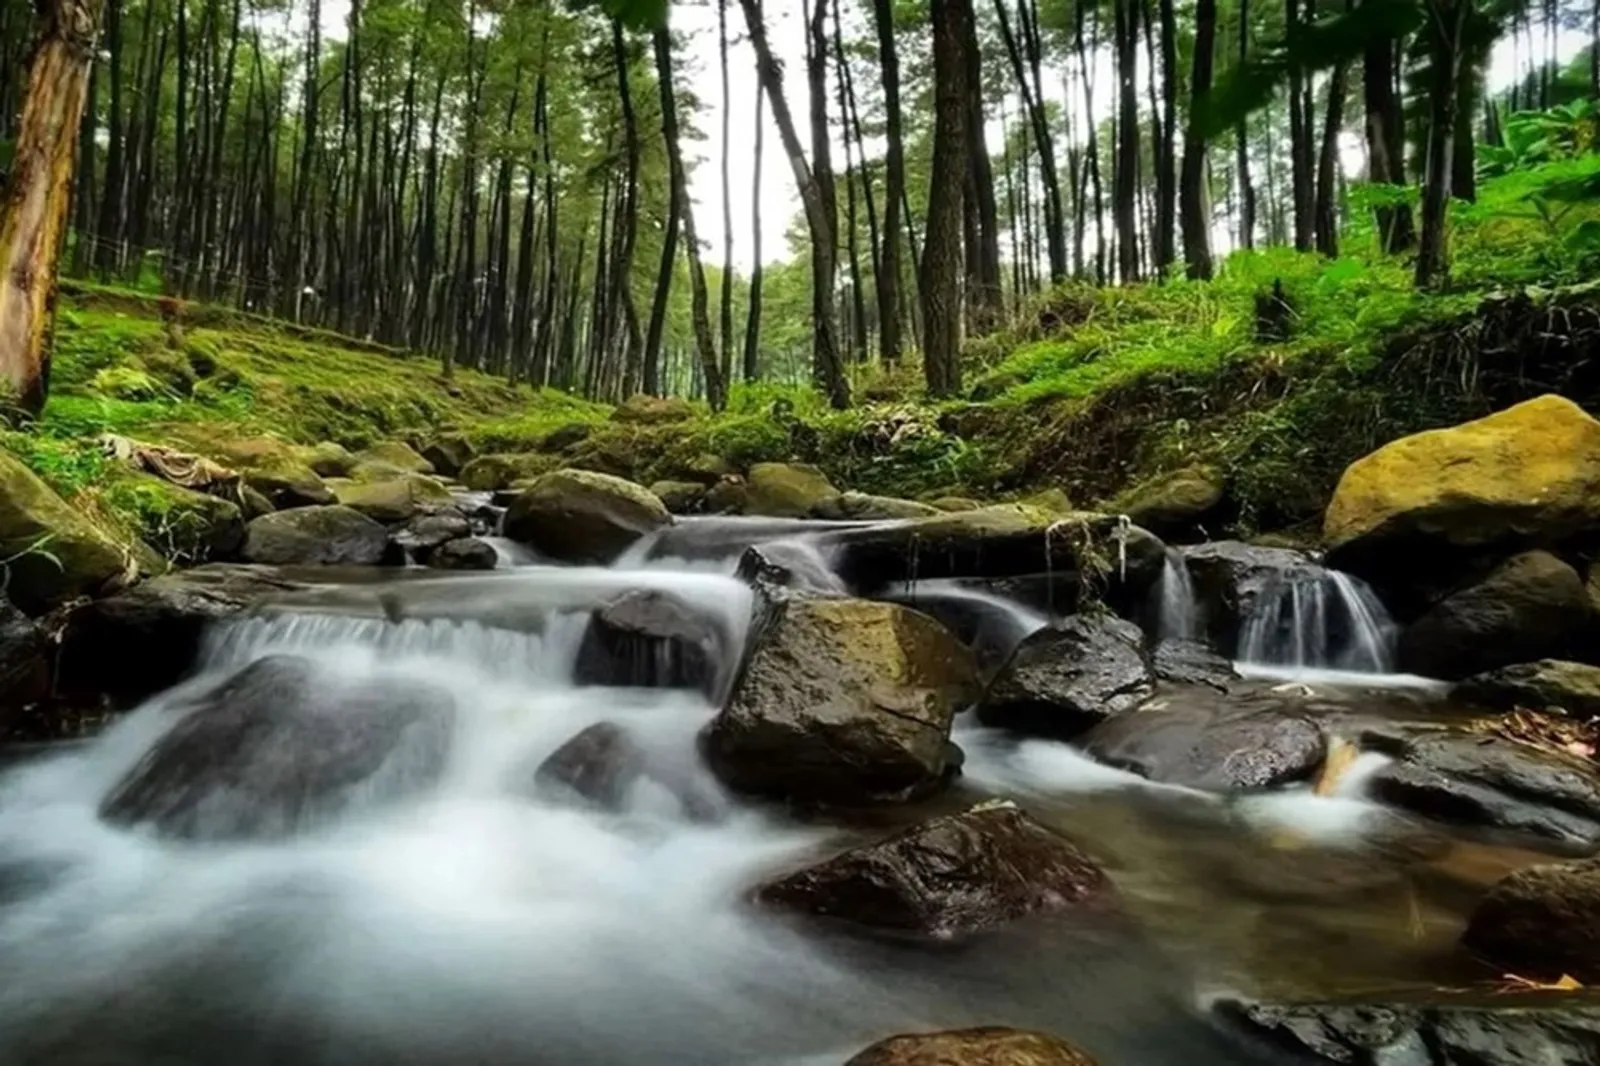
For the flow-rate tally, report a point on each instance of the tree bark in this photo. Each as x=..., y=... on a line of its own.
x=1327, y=207
x=669, y=237
x=1191, y=192
x=1247, y=189
x=941, y=257
x=1125, y=160
x=752, y=320
x=1442, y=28
x=888, y=279
x=985, y=296
x=1385, y=130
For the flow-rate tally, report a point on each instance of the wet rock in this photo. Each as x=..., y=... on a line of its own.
x=1533, y=606
x=397, y=454
x=786, y=490
x=53, y=552
x=464, y=553
x=281, y=746
x=426, y=532
x=316, y=536
x=858, y=506
x=1229, y=578
x=1414, y=1035
x=142, y=641
x=1210, y=745
x=1064, y=680
x=652, y=639
x=1528, y=476
x=491, y=473
x=1191, y=662
x=1549, y=684
x=788, y=565
x=841, y=701
x=253, y=504
x=448, y=455
x=1177, y=506
x=1542, y=922
x=727, y=496
x=582, y=517
x=680, y=497
x=599, y=765
x=1489, y=782
x=394, y=500
x=987, y=1046
x=948, y=877
x=25, y=662
x=653, y=410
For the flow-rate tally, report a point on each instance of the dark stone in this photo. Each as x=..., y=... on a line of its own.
x=1493, y=783
x=281, y=746
x=985, y=1046
x=651, y=639
x=132, y=645
x=424, y=533
x=1063, y=681
x=1178, y=506
x=1415, y=1035
x=1546, y=684
x=1229, y=578
x=1210, y=745
x=25, y=673
x=449, y=454
x=948, y=877
x=563, y=437
x=313, y=536
x=599, y=765
x=465, y=553
x=1533, y=606
x=1192, y=662
x=1542, y=922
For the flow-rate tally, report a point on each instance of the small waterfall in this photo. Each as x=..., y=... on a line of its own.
x=1176, y=615
x=1317, y=618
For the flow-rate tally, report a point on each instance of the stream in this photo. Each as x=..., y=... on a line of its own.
x=484, y=923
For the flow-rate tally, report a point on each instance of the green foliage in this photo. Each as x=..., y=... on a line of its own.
x=1535, y=137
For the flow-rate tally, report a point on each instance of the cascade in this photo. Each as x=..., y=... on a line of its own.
x=1312, y=617
x=1176, y=615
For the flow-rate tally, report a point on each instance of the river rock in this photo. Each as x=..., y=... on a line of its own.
x=142, y=641
x=842, y=701
x=858, y=506
x=786, y=490
x=282, y=745
x=184, y=525
x=1062, y=681
x=788, y=564
x=448, y=455
x=491, y=473
x=948, y=877
x=25, y=662
x=426, y=532
x=652, y=639
x=581, y=517
x=1229, y=579
x=1542, y=922
x=598, y=765
x=680, y=497
x=53, y=552
x=644, y=409
x=1533, y=606
x=329, y=459
x=396, y=454
x=1210, y=745
x=287, y=484
x=1178, y=506
x=986, y=1046
x=1404, y=1034
x=464, y=553
x=1192, y=662
x=393, y=500
x=1494, y=783
x=1523, y=477
x=316, y=536
x=1549, y=684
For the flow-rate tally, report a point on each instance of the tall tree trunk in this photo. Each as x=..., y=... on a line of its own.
x=858, y=306
x=36, y=196
x=1247, y=189
x=1302, y=173
x=941, y=257
x=1192, y=192
x=1327, y=208
x=1033, y=103
x=752, y=320
x=725, y=293
x=1443, y=29
x=1385, y=129
x=111, y=204
x=669, y=242
x=627, y=217
x=1086, y=71
x=1125, y=160
x=83, y=194
x=889, y=306
x=985, y=295
x=1166, y=162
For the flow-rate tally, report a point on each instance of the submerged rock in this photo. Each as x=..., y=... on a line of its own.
x=1210, y=745
x=132, y=645
x=1064, y=680
x=464, y=553
x=652, y=639
x=1533, y=606
x=598, y=765
x=786, y=490
x=948, y=877
x=1480, y=780
x=1545, y=685
x=281, y=746
x=1230, y=578
x=842, y=701
x=1542, y=922
x=986, y=1046
x=577, y=516
x=316, y=536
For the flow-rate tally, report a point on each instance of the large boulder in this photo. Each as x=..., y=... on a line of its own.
x=53, y=552
x=1229, y=579
x=396, y=500
x=680, y=497
x=786, y=490
x=948, y=877
x=329, y=459
x=577, y=516
x=1549, y=684
x=182, y=524
x=1493, y=783
x=1178, y=506
x=986, y=1046
x=139, y=642
x=860, y=507
x=426, y=532
x=1523, y=477
x=842, y=701
x=1064, y=680
x=1543, y=922
x=464, y=553
x=448, y=455
x=397, y=454
x=1211, y=745
x=1183, y=661
x=316, y=536
x=1533, y=606
x=653, y=639
x=282, y=745
x=287, y=484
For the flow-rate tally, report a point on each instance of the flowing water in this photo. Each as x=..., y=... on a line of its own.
x=485, y=924
x=1320, y=619
x=1176, y=612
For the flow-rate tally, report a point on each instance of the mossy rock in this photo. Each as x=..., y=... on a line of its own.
x=172, y=370
x=183, y=525
x=1053, y=500
x=786, y=490
x=52, y=551
x=449, y=455
x=491, y=473
x=859, y=506
x=583, y=517
x=398, y=454
x=396, y=500
x=369, y=471
x=1178, y=503
x=288, y=484
x=954, y=504
x=653, y=409
x=680, y=497
x=707, y=468
x=563, y=437
x=128, y=383
x=329, y=459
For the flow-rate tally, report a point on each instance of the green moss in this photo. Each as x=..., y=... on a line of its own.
x=184, y=526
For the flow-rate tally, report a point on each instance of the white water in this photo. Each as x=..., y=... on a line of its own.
x=1177, y=613
x=1320, y=619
